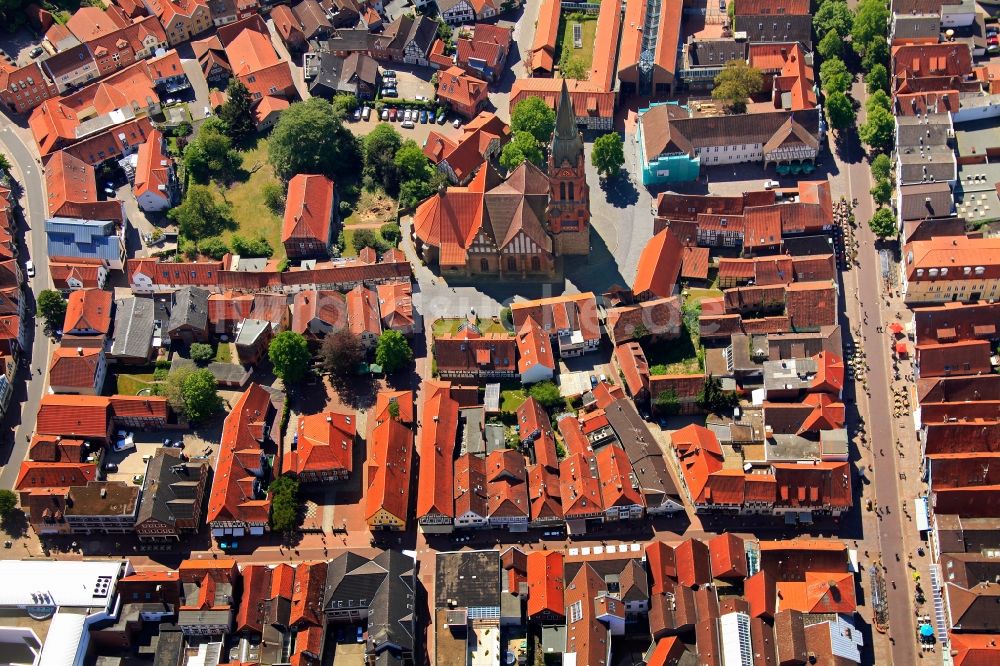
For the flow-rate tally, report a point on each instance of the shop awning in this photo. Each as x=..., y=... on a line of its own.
x=901, y=348
x=896, y=327
x=920, y=509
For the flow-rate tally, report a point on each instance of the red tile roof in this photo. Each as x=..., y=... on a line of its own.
x=308, y=209
x=395, y=303
x=470, y=351
x=631, y=361
x=325, y=444
x=570, y=312
x=307, y=599
x=545, y=583
x=488, y=43
x=506, y=484
x=232, y=497
x=615, y=473
x=362, y=311
x=139, y=406
x=48, y=448
x=542, y=54
x=153, y=167
x=533, y=347
x=580, y=490
x=589, y=101
x=543, y=494
x=535, y=427
x=659, y=265
x=85, y=271
x=694, y=564
x=75, y=368
x=73, y=416
x=88, y=310
x=438, y=430
x=728, y=554
x=390, y=461
x=71, y=188
x=470, y=486
x=460, y=89
x=694, y=265
x=820, y=592
x=967, y=357
x=39, y=475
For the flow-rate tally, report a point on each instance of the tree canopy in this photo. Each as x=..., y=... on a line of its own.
x=310, y=138
x=211, y=156
x=284, y=503
x=877, y=78
x=201, y=353
x=831, y=45
x=547, y=395
x=877, y=130
x=882, y=191
x=8, y=502
x=341, y=353
x=410, y=161
x=713, y=399
x=200, y=215
x=392, y=351
x=534, y=116
x=870, y=24
x=840, y=111
x=379, y=148
x=192, y=393
x=834, y=77
x=52, y=307
x=735, y=83
x=237, y=112
x=289, y=355
x=881, y=166
x=833, y=15
x=883, y=223
x=521, y=148
x=608, y=156
x=878, y=98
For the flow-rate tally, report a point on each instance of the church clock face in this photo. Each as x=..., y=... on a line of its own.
x=566, y=173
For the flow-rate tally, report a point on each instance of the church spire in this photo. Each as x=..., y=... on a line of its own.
x=567, y=143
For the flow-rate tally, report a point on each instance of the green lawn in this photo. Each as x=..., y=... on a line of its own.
x=567, y=50
x=132, y=384
x=701, y=294
x=450, y=326
x=253, y=218
x=510, y=400
x=223, y=353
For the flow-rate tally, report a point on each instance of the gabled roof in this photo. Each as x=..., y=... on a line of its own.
x=533, y=347
x=40, y=475
x=617, y=483
x=71, y=188
x=75, y=368
x=88, y=310
x=439, y=426
x=325, y=443
x=153, y=167
x=76, y=416
x=579, y=489
x=545, y=583
x=820, y=592
x=308, y=209
x=506, y=484
x=390, y=456
x=728, y=554
x=659, y=265
x=362, y=311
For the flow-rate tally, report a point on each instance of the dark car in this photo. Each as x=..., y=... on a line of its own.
x=110, y=467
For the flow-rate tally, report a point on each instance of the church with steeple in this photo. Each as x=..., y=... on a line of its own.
x=568, y=211
x=515, y=227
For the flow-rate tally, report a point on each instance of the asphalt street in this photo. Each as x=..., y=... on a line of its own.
x=28, y=173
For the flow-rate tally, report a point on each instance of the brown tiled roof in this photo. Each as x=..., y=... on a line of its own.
x=469, y=350
x=88, y=309
x=631, y=361
x=439, y=426
x=71, y=188
x=660, y=317
x=470, y=486
x=74, y=368
x=660, y=265
x=54, y=475
x=694, y=265
x=73, y=416
x=390, y=462
x=308, y=209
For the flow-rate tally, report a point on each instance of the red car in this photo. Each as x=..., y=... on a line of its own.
x=392, y=115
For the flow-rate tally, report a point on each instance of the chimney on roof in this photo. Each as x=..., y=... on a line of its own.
x=79, y=351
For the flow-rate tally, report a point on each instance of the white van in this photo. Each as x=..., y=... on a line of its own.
x=366, y=113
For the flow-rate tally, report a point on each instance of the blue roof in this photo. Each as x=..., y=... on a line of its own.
x=93, y=239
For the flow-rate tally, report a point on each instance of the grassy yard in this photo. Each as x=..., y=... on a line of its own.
x=374, y=208
x=132, y=384
x=511, y=399
x=246, y=198
x=223, y=353
x=450, y=326
x=701, y=294
x=567, y=49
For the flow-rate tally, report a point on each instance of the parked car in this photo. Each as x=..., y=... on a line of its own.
x=110, y=467
x=771, y=184
x=408, y=115
x=361, y=634
x=423, y=117
x=29, y=268
x=137, y=479
x=357, y=115
x=366, y=113
x=457, y=123
x=440, y=118
x=392, y=115
x=35, y=52
x=385, y=114
x=388, y=74
x=389, y=92
x=593, y=381
x=420, y=98
x=407, y=124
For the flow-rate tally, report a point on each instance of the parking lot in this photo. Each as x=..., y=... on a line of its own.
x=418, y=133
x=132, y=462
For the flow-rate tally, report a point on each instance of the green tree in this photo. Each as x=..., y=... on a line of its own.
x=199, y=395
x=713, y=399
x=667, y=403
x=410, y=161
x=289, y=355
x=379, y=148
x=878, y=98
x=257, y=247
x=547, y=394
x=310, y=138
x=533, y=115
x=200, y=215
x=877, y=78
x=284, y=504
x=363, y=238
x=413, y=192
x=210, y=156
x=344, y=105
x=833, y=15
x=572, y=67
x=834, y=76
x=882, y=192
x=608, y=156
x=522, y=148
x=840, y=111
x=8, y=502
x=877, y=130
x=341, y=354
x=877, y=53
x=201, y=353
x=735, y=83
x=871, y=20
x=52, y=307
x=392, y=351
x=188, y=248
x=445, y=31
x=883, y=223
x=4, y=162
x=831, y=45
x=390, y=233
x=881, y=166
x=213, y=247
x=237, y=112
x=394, y=410
x=274, y=197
